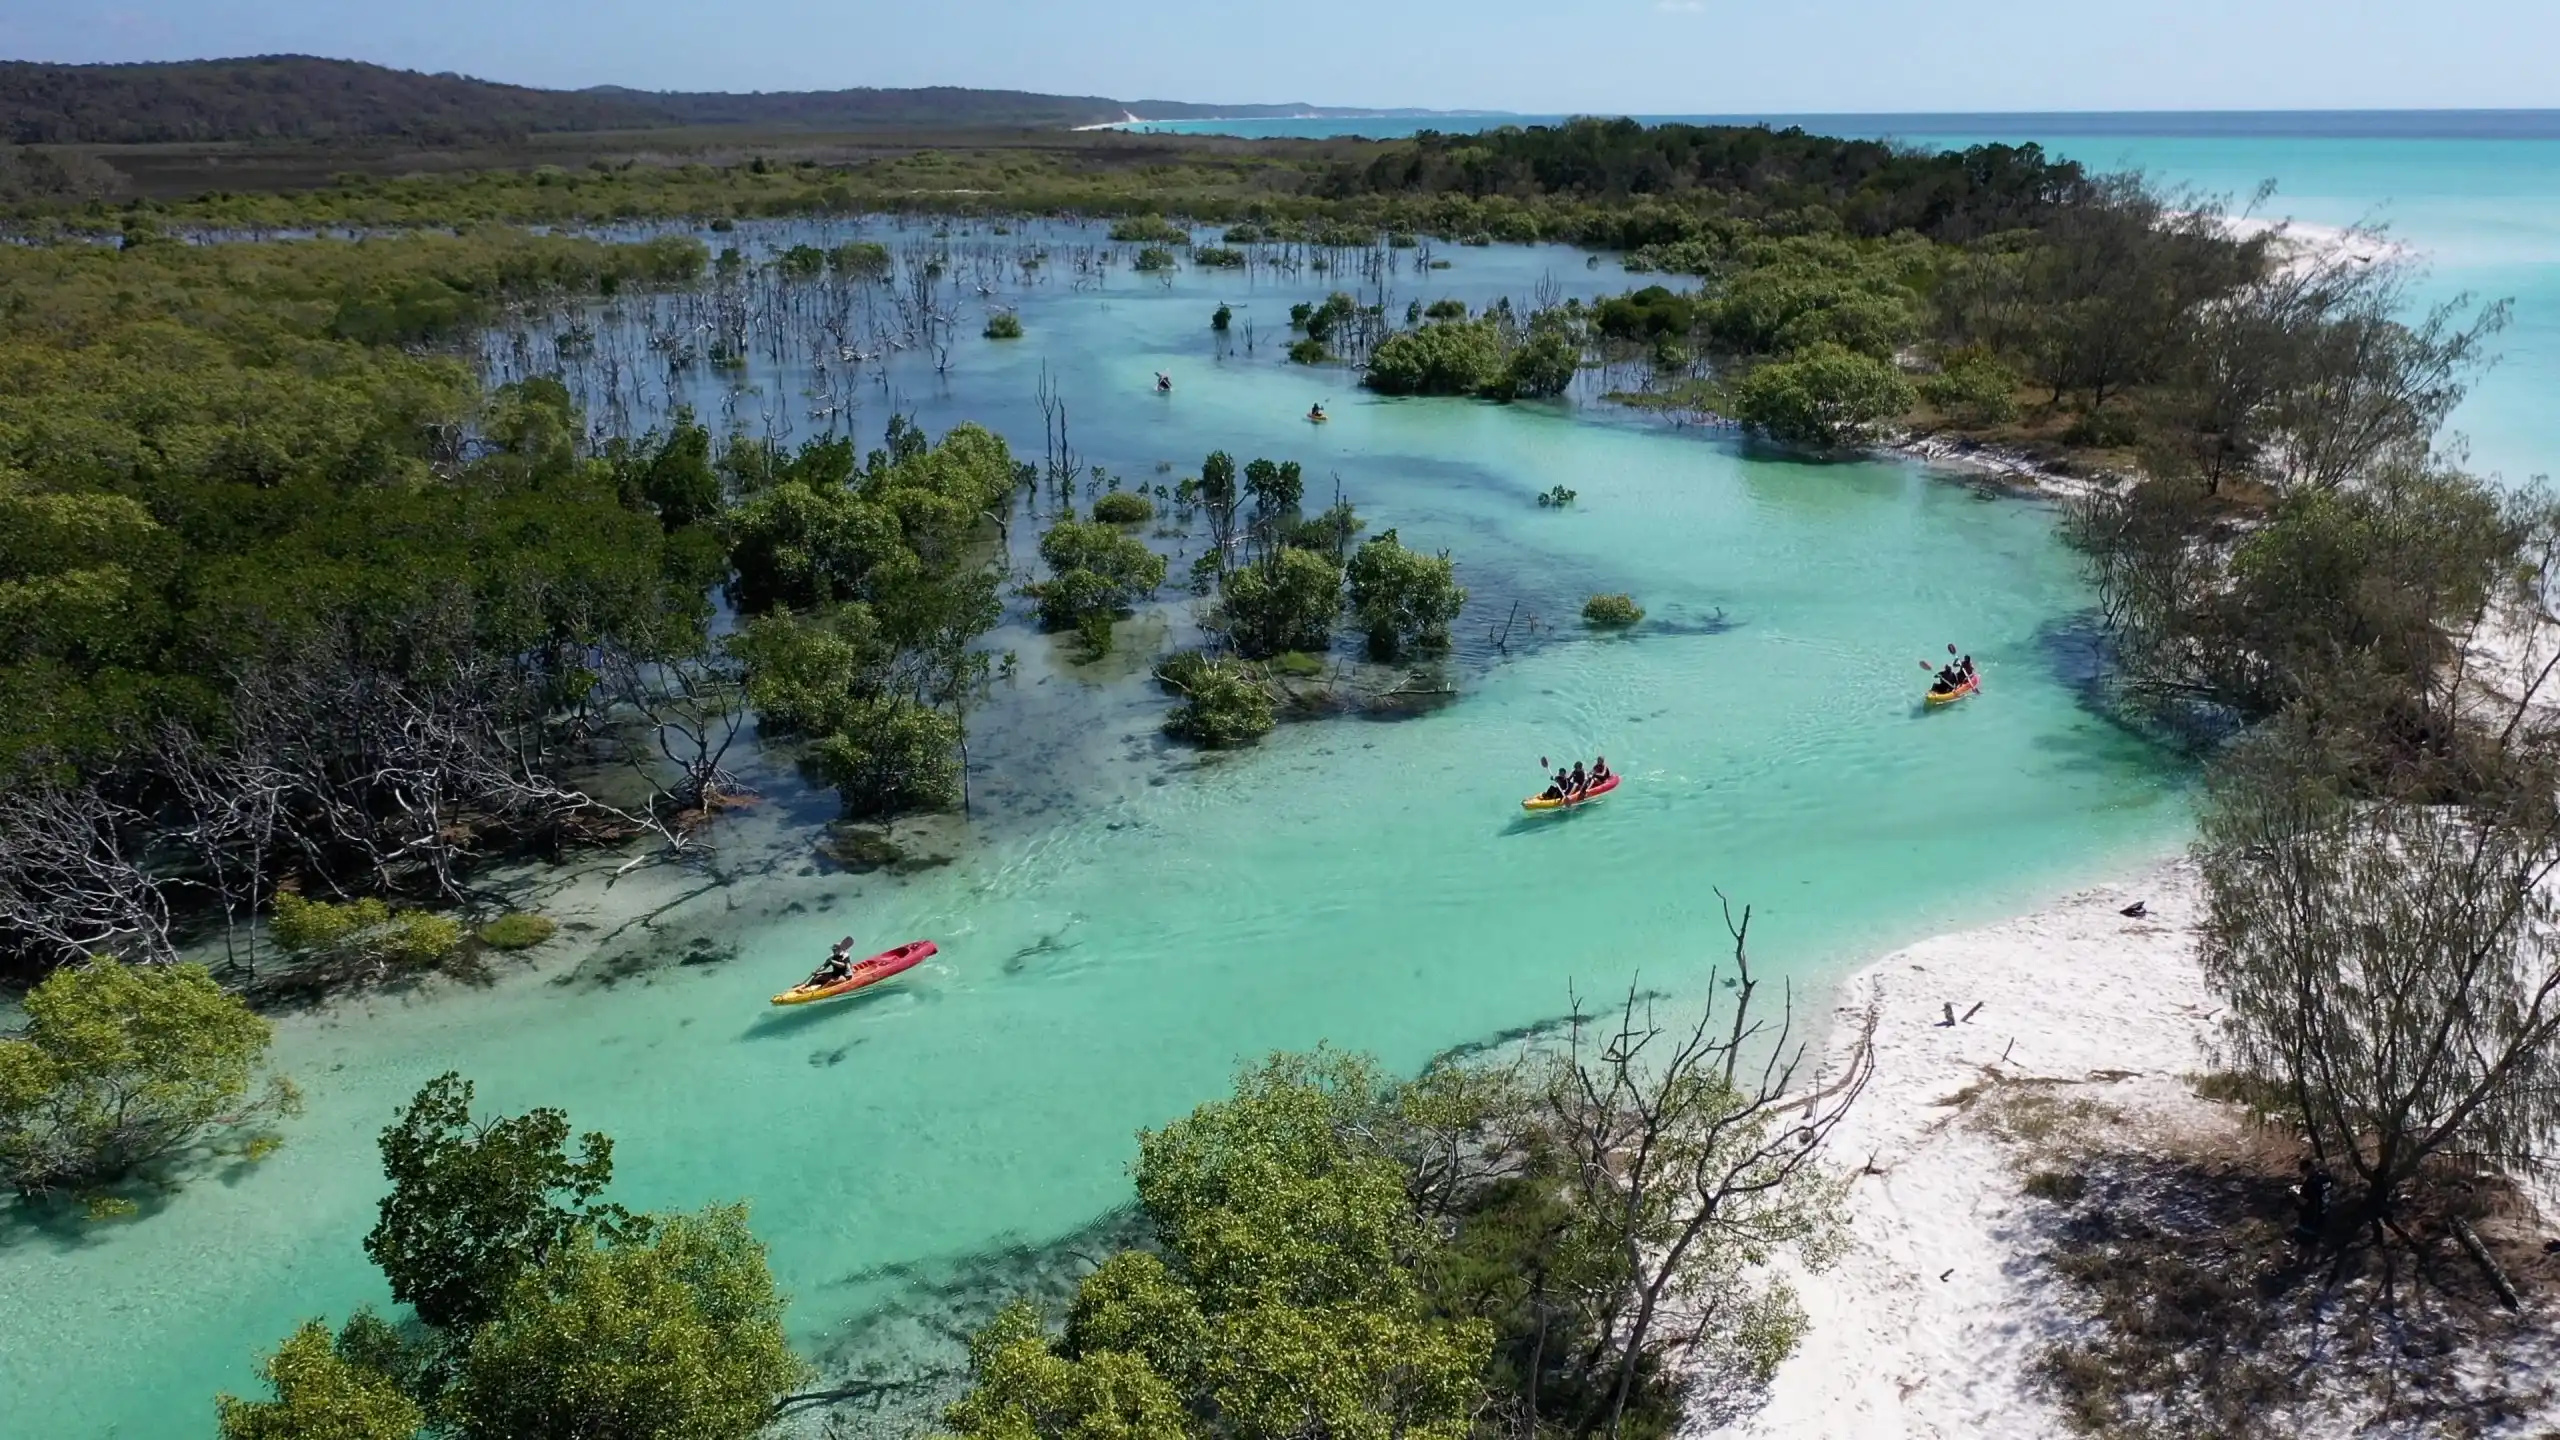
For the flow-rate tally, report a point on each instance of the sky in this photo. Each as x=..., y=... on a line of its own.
x=1532, y=56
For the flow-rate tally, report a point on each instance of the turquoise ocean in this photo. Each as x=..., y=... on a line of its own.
x=1125, y=921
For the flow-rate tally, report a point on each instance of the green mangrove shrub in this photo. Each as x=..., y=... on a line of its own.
x=1830, y=395
x=1402, y=598
x=1003, y=325
x=1123, y=507
x=1449, y=358
x=120, y=1066
x=1154, y=259
x=362, y=932
x=1222, y=317
x=1611, y=612
x=1285, y=601
x=1222, y=703
x=1972, y=388
x=1096, y=570
x=518, y=930
x=1149, y=230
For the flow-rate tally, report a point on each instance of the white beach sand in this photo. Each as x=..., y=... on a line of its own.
x=1930, y=1326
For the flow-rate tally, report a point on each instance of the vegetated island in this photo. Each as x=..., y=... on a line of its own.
x=2289, y=571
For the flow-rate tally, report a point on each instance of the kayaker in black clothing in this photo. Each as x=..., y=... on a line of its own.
x=1600, y=771
x=1580, y=782
x=839, y=964
x=1560, y=787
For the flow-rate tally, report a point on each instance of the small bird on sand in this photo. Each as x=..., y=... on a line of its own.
x=2136, y=910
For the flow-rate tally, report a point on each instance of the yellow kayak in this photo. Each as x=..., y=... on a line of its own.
x=1540, y=802
x=1949, y=697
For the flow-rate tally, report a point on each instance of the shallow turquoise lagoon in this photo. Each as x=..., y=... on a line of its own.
x=1132, y=920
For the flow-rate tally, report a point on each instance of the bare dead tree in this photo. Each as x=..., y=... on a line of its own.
x=72, y=883
x=1695, y=1150
x=683, y=712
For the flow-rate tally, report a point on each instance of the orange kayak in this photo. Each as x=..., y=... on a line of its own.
x=870, y=972
x=1540, y=802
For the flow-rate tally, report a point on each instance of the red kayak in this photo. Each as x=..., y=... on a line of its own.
x=870, y=972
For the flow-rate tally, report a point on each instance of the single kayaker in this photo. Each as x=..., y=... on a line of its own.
x=1316, y=411
x=1164, y=382
x=839, y=964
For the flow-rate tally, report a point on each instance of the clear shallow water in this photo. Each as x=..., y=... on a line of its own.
x=1127, y=930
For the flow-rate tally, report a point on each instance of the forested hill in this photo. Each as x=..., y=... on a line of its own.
x=301, y=97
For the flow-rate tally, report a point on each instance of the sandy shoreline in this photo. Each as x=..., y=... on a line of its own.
x=1931, y=1324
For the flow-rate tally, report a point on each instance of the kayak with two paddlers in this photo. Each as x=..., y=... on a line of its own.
x=1955, y=680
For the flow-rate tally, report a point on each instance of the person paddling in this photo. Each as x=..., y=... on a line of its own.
x=1581, y=782
x=839, y=964
x=1164, y=382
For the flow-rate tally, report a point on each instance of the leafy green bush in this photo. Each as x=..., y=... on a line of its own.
x=1218, y=257
x=1402, y=598
x=2104, y=429
x=1149, y=230
x=1542, y=368
x=1154, y=259
x=363, y=932
x=119, y=1066
x=324, y=1390
x=681, y=1323
x=1222, y=703
x=1221, y=318
x=1308, y=352
x=1123, y=507
x=1972, y=388
x=1285, y=602
x=861, y=260
x=890, y=754
x=1826, y=396
x=1447, y=308
x=517, y=930
x=1096, y=569
x=1003, y=325
x=1611, y=612
x=1242, y=234
x=1449, y=358
x=1652, y=313
x=1320, y=321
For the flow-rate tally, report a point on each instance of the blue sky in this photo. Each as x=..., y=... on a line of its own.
x=1639, y=56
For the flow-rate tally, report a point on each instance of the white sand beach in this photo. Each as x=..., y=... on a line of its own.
x=1930, y=1326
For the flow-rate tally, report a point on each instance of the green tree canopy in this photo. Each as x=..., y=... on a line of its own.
x=675, y=1336
x=476, y=1203
x=1287, y=601
x=1825, y=396
x=120, y=1066
x=321, y=1393
x=1403, y=598
x=1095, y=569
